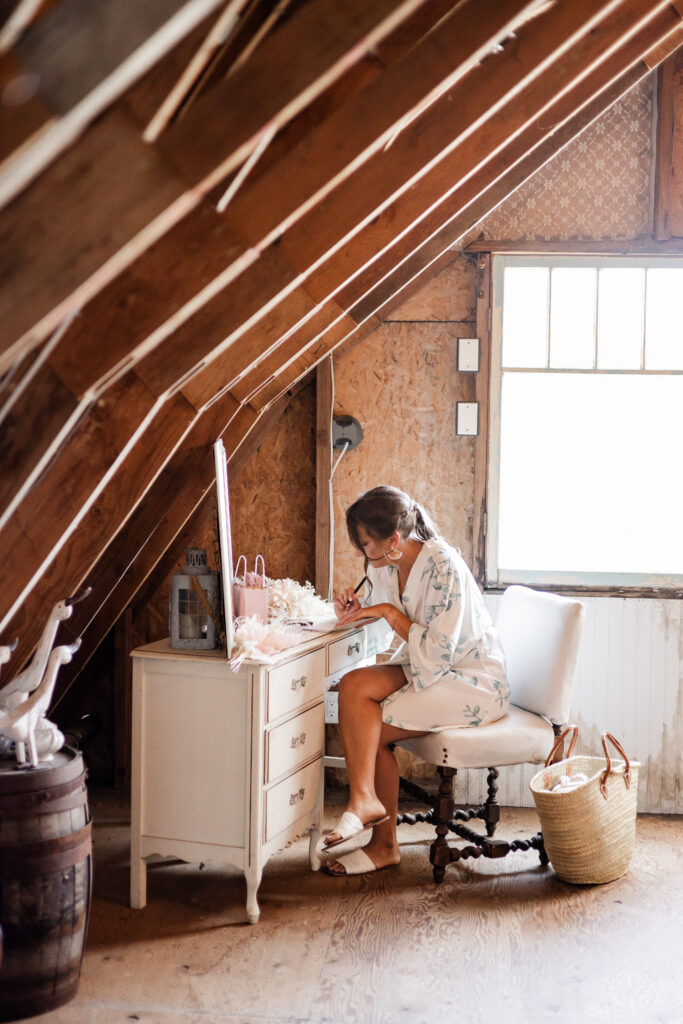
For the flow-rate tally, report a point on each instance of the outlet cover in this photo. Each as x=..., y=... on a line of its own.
x=467, y=359
x=467, y=418
x=331, y=707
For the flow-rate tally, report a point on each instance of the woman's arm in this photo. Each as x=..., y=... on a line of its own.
x=399, y=622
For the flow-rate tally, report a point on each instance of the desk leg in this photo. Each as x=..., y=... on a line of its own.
x=253, y=877
x=138, y=881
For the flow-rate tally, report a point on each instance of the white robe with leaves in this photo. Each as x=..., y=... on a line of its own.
x=453, y=659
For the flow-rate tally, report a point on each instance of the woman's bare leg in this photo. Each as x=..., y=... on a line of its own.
x=360, y=721
x=371, y=765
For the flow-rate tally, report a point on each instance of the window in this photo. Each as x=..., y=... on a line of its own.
x=585, y=481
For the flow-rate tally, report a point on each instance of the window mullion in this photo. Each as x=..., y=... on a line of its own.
x=595, y=318
x=644, y=334
x=549, y=296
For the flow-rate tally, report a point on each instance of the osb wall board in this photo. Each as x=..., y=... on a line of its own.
x=401, y=384
x=448, y=296
x=272, y=505
x=598, y=186
x=273, y=499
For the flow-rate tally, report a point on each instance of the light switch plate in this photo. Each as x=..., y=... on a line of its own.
x=467, y=358
x=467, y=418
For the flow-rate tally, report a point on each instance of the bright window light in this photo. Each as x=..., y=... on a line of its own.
x=585, y=482
x=583, y=488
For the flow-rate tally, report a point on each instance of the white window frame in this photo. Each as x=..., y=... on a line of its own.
x=494, y=577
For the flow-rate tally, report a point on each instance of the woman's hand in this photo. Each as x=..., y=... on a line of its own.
x=346, y=602
x=399, y=622
x=373, y=611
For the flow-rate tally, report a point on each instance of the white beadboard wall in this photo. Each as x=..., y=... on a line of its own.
x=629, y=681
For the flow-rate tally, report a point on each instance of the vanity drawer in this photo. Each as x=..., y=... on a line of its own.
x=344, y=653
x=294, y=742
x=297, y=683
x=292, y=798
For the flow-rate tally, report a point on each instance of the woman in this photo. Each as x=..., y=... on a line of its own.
x=448, y=673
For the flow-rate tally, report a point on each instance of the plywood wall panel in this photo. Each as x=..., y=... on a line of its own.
x=273, y=498
x=402, y=385
x=448, y=296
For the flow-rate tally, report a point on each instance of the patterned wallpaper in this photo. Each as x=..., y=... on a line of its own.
x=598, y=186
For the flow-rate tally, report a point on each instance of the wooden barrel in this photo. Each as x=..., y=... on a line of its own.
x=45, y=883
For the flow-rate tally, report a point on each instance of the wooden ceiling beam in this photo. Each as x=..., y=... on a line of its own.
x=206, y=333
x=60, y=503
x=161, y=528
x=320, y=233
x=17, y=15
x=336, y=293
x=426, y=69
x=72, y=453
x=404, y=267
x=600, y=47
x=514, y=165
x=272, y=277
x=76, y=260
x=128, y=306
x=307, y=54
x=74, y=78
x=118, y=522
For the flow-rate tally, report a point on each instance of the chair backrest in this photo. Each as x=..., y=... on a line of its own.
x=540, y=634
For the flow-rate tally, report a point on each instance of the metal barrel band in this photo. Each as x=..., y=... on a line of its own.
x=24, y=860
x=66, y=797
x=21, y=781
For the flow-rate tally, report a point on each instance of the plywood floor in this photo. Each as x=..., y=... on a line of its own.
x=499, y=940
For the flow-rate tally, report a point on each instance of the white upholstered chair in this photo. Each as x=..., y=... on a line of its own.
x=540, y=633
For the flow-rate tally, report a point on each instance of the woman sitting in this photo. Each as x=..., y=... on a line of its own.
x=449, y=672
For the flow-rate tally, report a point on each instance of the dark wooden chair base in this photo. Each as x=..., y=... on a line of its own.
x=446, y=819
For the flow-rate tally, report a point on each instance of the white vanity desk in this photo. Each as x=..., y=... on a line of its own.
x=228, y=766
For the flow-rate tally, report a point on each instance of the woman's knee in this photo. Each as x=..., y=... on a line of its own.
x=374, y=682
x=354, y=684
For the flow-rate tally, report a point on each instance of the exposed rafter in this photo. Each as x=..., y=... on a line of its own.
x=393, y=128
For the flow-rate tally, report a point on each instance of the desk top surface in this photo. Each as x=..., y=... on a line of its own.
x=163, y=649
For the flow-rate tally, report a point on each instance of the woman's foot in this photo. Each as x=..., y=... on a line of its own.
x=368, y=814
x=379, y=856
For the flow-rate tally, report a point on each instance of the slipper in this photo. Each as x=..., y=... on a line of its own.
x=348, y=827
x=355, y=863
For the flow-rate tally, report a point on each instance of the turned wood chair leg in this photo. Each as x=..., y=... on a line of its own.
x=440, y=853
x=491, y=807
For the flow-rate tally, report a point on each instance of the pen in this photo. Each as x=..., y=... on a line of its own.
x=364, y=580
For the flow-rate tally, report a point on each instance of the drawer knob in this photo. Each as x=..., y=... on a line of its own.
x=296, y=797
x=298, y=741
x=353, y=648
x=298, y=684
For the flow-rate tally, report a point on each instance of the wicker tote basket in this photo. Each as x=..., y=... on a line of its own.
x=588, y=831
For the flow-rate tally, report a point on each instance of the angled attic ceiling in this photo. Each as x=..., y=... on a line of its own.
x=202, y=200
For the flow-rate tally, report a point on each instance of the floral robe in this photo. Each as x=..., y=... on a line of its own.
x=453, y=659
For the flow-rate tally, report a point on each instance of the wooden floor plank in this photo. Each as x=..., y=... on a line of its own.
x=498, y=940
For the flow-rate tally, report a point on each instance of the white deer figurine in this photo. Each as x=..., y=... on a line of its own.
x=26, y=724
x=6, y=651
x=14, y=692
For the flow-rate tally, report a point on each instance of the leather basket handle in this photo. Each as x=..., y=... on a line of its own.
x=574, y=729
x=605, y=775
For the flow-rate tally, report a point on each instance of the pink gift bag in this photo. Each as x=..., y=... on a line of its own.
x=250, y=596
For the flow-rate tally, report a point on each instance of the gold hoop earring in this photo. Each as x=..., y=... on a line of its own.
x=394, y=555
